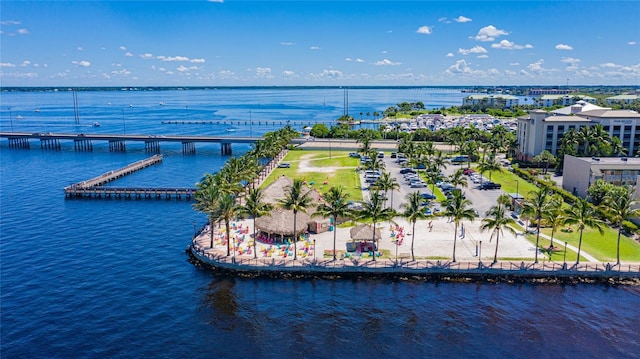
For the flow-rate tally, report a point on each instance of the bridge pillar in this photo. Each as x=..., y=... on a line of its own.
x=225, y=149
x=152, y=146
x=18, y=142
x=50, y=143
x=117, y=146
x=188, y=148
x=82, y=145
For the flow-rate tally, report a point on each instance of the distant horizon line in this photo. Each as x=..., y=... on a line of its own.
x=199, y=87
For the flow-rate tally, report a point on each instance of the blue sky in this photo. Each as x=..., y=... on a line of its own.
x=297, y=43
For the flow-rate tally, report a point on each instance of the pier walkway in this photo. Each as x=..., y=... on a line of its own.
x=94, y=187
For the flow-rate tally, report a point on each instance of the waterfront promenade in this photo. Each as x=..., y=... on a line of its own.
x=433, y=250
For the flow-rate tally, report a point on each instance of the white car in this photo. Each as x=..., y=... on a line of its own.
x=418, y=184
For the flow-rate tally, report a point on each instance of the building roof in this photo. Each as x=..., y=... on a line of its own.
x=566, y=119
x=577, y=107
x=624, y=97
x=557, y=97
x=607, y=113
x=480, y=97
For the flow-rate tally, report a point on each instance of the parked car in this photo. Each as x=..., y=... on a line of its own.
x=284, y=165
x=468, y=171
x=459, y=159
x=380, y=154
x=407, y=170
x=418, y=184
x=490, y=185
x=393, y=155
x=427, y=196
x=354, y=154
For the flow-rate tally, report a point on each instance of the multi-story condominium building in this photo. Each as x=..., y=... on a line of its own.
x=491, y=100
x=626, y=99
x=581, y=172
x=541, y=130
x=563, y=100
x=537, y=92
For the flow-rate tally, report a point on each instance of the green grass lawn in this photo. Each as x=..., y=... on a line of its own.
x=508, y=181
x=344, y=174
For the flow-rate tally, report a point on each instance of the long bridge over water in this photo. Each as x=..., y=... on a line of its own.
x=117, y=142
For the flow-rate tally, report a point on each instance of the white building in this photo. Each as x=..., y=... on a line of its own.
x=492, y=100
x=579, y=173
x=563, y=100
x=541, y=130
x=626, y=99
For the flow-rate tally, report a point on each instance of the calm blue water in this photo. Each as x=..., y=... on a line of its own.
x=109, y=278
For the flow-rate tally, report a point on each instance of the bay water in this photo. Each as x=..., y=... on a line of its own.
x=109, y=278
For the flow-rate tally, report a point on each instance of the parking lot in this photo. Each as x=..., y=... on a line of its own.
x=482, y=200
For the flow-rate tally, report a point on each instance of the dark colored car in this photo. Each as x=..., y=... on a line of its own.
x=393, y=155
x=407, y=170
x=284, y=165
x=490, y=185
x=468, y=171
x=427, y=196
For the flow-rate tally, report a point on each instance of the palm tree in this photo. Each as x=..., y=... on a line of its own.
x=536, y=207
x=334, y=205
x=620, y=203
x=413, y=212
x=226, y=210
x=255, y=207
x=582, y=215
x=458, y=208
x=616, y=148
x=490, y=164
x=206, y=201
x=458, y=178
x=386, y=182
x=497, y=220
x=296, y=199
x=553, y=214
x=375, y=210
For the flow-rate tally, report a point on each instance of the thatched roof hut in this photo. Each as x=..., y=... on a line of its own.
x=280, y=221
x=364, y=232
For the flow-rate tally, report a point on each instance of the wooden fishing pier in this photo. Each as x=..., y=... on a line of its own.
x=94, y=187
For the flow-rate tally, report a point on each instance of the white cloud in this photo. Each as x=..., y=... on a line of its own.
x=573, y=63
x=314, y=48
x=175, y=58
x=10, y=22
x=329, y=74
x=123, y=48
x=287, y=43
x=508, y=45
x=450, y=54
x=563, y=47
x=7, y=64
x=226, y=74
x=147, y=56
x=80, y=48
x=216, y=1
x=510, y=73
x=81, y=63
x=263, y=72
x=25, y=63
x=489, y=33
x=485, y=56
x=121, y=72
x=386, y=62
x=197, y=61
x=359, y=60
x=632, y=43
x=514, y=64
x=493, y=72
x=426, y=30
x=348, y=59
x=609, y=65
x=23, y=31
x=460, y=67
x=474, y=50
x=462, y=19
x=128, y=54
x=182, y=68
x=289, y=74
x=536, y=66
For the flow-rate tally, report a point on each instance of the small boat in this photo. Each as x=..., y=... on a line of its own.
x=96, y=124
x=230, y=130
x=161, y=103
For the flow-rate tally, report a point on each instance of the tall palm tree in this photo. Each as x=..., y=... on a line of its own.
x=582, y=215
x=458, y=208
x=334, y=205
x=374, y=209
x=490, y=164
x=616, y=148
x=386, y=183
x=413, y=211
x=620, y=203
x=497, y=220
x=207, y=197
x=536, y=206
x=255, y=207
x=296, y=199
x=553, y=214
x=226, y=210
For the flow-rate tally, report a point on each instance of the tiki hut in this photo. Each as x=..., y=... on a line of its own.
x=279, y=223
x=363, y=233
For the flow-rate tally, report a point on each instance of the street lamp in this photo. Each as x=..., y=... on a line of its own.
x=565, y=254
x=480, y=254
x=314, y=250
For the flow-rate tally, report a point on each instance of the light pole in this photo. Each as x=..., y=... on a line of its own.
x=480, y=254
x=194, y=229
x=565, y=254
x=314, y=250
